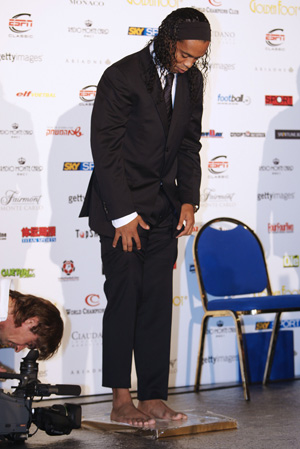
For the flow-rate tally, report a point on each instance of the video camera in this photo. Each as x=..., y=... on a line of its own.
x=16, y=413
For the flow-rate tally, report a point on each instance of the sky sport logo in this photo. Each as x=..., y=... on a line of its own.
x=20, y=23
x=278, y=100
x=142, y=31
x=78, y=166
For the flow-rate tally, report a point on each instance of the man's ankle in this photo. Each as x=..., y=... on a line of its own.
x=121, y=396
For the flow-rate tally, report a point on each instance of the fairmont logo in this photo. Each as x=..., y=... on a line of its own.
x=287, y=133
x=279, y=228
x=12, y=197
x=279, y=100
x=209, y=198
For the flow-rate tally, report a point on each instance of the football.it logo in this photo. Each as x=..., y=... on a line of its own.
x=68, y=267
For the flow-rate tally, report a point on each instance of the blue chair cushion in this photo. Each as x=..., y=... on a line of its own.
x=267, y=303
x=231, y=262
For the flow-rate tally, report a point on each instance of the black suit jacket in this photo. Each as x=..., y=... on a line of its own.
x=134, y=152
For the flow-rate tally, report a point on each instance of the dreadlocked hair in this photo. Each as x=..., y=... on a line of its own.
x=165, y=47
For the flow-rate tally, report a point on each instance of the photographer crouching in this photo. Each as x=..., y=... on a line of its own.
x=27, y=321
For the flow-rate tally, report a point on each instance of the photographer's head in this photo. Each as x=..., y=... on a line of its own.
x=33, y=323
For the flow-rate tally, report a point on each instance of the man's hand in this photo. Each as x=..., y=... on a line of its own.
x=129, y=233
x=187, y=216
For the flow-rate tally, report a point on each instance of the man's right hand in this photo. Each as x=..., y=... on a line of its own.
x=129, y=234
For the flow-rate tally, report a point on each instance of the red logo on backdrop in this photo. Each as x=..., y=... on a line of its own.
x=68, y=267
x=88, y=93
x=274, y=38
x=92, y=300
x=279, y=100
x=49, y=231
x=20, y=23
x=218, y=164
x=64, y=132
x=215, y=2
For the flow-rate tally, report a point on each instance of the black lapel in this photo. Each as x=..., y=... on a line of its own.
x=156, y=92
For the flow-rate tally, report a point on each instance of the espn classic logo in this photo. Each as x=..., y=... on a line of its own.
x=20, y=23
x=278, y=100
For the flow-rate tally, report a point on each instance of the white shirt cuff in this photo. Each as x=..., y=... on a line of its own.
x=124, y=220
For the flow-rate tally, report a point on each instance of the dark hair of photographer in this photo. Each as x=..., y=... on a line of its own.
x=49, y=329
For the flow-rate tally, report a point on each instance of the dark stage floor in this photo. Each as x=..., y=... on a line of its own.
x=269, y=421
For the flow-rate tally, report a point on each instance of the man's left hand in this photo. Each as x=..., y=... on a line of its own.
x=186, y=218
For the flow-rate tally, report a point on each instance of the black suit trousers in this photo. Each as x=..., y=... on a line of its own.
x=137, y=319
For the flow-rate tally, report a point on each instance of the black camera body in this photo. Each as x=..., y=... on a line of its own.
x=17, y=414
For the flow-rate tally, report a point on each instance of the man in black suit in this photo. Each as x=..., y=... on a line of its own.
x=145, y=132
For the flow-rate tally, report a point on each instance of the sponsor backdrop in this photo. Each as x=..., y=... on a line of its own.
x=52, y=55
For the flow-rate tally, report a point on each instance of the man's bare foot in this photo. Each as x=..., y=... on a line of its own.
x=155, y=408
x=124, y=411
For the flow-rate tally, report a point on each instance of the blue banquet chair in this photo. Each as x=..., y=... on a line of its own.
x=231, y=268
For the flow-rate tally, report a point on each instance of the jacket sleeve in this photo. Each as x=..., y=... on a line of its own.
x=189, y=168
x=108, y=127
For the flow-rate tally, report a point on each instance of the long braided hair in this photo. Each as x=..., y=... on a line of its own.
x=165, y=47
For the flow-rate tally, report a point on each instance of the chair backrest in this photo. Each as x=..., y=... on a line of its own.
x=229, y=259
